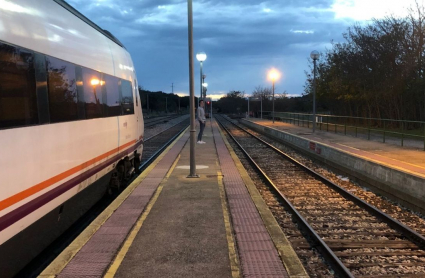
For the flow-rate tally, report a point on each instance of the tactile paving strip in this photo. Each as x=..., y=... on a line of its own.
x=257, y=253
x=98, y=253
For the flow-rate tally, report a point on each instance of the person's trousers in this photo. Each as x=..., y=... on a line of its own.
x=201, y=130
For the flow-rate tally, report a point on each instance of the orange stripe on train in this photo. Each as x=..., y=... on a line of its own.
x=45, y=184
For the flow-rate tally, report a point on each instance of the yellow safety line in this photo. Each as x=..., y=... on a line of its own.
x=129, y=241
x=357, y=155
x=234, y=262
x=377, y=154
x=289, y=258
x=69, y=253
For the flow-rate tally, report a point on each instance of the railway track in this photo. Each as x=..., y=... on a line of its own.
x=153, y=146
x=354, y=238
x=158, y=120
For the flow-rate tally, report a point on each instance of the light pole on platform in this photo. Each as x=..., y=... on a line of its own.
x=273, y=76
x=147, y=101
x=201, y=57
x=204, y=90
x=248, y=109
x=315, y=56
x=192, y=173
x=261, y=107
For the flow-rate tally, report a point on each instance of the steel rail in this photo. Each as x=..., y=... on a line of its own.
x=330, y=256
x=161, y=149
x=413, y=236
x=153, y=136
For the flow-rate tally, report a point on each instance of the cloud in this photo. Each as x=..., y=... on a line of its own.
x=364, y=10
x=302, y=31
x=216, y=95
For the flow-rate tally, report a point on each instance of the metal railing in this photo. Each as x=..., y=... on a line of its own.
x=376, y=129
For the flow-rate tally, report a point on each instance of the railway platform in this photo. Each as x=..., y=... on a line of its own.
x=392, y=170
x=167, y=225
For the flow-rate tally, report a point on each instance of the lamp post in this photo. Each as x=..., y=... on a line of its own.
x=209, y=101
x=201, y=57
x=192, y=173
x=315, y=56
x=204, y=91
x=147, y=101
x=273, y=76
x=261, y=107
x=248, y=107
x=254, y=99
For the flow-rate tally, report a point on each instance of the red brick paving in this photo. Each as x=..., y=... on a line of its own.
x=257, y=253
x=95, y=257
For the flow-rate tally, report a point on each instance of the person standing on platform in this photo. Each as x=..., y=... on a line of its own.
x=201, y=119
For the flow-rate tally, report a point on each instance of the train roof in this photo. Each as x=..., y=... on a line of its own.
x=72, y=10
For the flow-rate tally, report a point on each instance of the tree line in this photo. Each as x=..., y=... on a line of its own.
x=236, y=102
x=378, y=71
x=159, y=102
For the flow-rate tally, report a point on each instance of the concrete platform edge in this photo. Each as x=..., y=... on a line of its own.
x=392, y=182
x=55, y=267
x=287, y=254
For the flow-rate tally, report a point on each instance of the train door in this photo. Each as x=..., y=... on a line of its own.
x=138, y=112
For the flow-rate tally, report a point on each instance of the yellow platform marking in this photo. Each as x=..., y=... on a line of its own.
x=234, y=262
x=69, y=253
x=358, y=155
x=380, y=162
x=129, y=241
x=287, y=254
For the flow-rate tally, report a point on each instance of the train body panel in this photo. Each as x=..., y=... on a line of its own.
x=48, y=28
x=45, y=164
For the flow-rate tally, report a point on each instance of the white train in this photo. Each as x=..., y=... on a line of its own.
x=70, y=122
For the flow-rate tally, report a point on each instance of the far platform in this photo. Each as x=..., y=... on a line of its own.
x=168, y=225
x=391, y=169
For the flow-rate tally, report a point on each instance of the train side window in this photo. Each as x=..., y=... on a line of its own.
x=92, y=93
x=127, y=103
x=110, y=95
x=18, y=100
x=62, y=90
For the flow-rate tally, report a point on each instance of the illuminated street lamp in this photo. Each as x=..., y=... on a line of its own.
x=315, y=56
x=201, y=57
x=273, y=76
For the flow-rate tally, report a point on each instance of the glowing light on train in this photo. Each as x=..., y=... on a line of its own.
x=94, y=82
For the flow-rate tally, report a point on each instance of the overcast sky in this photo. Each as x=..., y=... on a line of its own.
x=243, y=39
